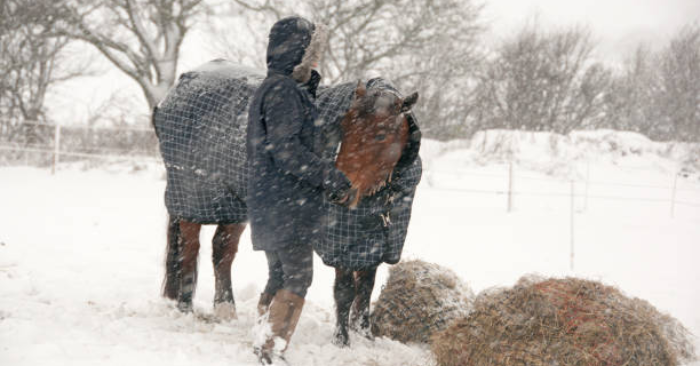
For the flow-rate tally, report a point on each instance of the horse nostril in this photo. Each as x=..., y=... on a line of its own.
x=380, y=137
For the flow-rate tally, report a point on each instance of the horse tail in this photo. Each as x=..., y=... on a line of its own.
x=173, y=260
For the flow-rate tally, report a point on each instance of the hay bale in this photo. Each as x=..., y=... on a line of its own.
x=562, y=322
x=418, y=300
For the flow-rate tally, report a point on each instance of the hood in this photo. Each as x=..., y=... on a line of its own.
x=294, y=46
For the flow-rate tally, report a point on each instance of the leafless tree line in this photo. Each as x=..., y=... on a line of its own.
x=31, y=62
x=658, y=93
x=541, y=81
x=535, y=79
x=549, y=81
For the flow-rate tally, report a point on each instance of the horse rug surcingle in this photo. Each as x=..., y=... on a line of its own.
x=201, y=127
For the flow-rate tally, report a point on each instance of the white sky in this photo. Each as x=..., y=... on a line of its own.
x=618, y=24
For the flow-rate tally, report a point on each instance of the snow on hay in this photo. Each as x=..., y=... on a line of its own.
x=418, y=300
x=563, y=322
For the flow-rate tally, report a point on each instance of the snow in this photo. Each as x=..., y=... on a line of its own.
x=554, y=153
x=81, y=251
x=225, y=69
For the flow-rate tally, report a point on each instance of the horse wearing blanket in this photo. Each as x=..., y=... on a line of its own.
x=366, y=128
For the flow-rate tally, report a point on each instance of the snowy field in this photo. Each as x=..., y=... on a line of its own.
x=81, y=255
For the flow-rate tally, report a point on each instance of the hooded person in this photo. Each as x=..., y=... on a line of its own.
x=287, y=178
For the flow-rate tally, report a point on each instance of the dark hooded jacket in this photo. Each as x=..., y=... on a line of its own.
x=287, y=177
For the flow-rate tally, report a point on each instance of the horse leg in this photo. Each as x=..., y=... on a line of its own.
x=364, y=284
x=190, y=250
x=344, y=293
x=173, y=265
x=225, y=247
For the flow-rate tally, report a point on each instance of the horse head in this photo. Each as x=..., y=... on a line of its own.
x=375, y=133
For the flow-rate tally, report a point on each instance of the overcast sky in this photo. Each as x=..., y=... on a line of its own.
x=618, y=24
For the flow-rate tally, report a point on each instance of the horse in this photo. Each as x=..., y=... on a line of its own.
x=375, y=133
x=375, y=130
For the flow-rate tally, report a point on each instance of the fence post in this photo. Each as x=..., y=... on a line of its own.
x=588, y=180
x=571, y=225
x=510, y=187
x=673, y=194
x=56, y=148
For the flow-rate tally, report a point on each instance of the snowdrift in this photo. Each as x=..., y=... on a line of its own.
x=558, y=154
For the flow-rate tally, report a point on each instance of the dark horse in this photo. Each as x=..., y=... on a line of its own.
x=374, y=133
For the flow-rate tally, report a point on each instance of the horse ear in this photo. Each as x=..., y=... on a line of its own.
x=409, y=102
x=360, y=90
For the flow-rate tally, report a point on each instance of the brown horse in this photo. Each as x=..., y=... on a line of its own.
x=375, y=132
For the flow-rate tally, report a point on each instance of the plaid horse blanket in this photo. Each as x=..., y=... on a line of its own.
x=375, y=231
x=201, y=127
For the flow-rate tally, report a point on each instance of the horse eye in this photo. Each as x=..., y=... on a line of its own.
x=380, y=137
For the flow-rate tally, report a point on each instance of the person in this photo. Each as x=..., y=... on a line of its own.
x=287, y=179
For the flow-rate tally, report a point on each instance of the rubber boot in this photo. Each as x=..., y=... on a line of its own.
x=285, y=311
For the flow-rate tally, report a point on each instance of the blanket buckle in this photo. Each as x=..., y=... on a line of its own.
x=386, y=219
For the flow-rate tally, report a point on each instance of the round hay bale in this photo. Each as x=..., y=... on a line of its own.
x=418, y=300
x=562, y=322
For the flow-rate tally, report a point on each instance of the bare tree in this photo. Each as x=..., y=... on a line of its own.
x=629, y=101
x=679, y=92
x=543, y=82
x=31, y=62
x=426, y=45
x=658, y=93
x=238, y=29
x=140, y=37
x=446, y=72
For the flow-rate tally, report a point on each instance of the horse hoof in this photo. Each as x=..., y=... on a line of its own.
x=184, y=307
x=225, y=311
x=341, y=339
x=363, y=328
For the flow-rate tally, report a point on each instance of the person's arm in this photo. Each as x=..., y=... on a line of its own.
x=284, y=115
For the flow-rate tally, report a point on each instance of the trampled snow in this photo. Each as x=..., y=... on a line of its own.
x=81, y=252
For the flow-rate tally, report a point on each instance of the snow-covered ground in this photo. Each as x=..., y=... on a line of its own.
x=81, y=252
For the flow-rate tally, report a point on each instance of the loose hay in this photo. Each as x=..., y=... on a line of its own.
x=418, y=300
x=569, y=322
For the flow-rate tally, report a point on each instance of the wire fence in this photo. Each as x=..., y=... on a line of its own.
x=49, y=145
x=581, y=190
x=43, y=144
x=505, y=183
